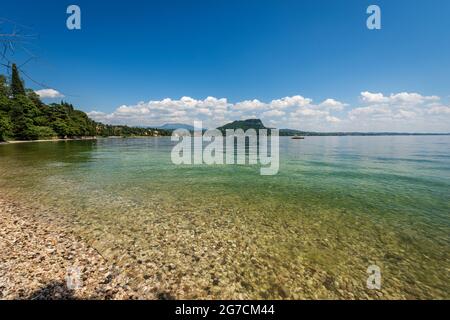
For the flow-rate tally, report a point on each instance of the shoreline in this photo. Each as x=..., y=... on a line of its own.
x=47, y=140
x=42, y=260
x=75, y=139
x=143, y=137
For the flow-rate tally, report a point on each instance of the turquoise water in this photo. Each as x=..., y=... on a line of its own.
x=337, y=206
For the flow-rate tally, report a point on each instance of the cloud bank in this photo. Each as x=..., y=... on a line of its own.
x=406, y=112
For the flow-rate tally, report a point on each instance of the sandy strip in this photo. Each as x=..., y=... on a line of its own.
x=48, y=140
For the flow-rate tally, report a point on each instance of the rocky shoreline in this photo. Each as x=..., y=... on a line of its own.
x=41, y=260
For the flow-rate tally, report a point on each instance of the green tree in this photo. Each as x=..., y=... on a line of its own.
x=21, y=125
x=61, y=128
x=22, y=113
x=28, y=107
x=3, y=86
x=41, y=132
x=34, y=97
x=4, y=96
x=24, y=116
x=17, y=87
x=5, y=126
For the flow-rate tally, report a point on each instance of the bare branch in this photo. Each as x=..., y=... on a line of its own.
x=12, y=41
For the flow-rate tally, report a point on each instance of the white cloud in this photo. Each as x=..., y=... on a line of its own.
x=402, y=111
x=49, y=93
x=398, y=98
x=295, y=101
x=333, y=119
x=308, y=112
x=369, y=111
x=373, y=97
x=250, y=105
x=274, y=113
x=332, y=104
x=395, y=112
x=153, y=113
x=443, y=110
x=411, y=98
x=405, y=114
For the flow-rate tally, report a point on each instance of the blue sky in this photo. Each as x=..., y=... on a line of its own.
x=129, y=52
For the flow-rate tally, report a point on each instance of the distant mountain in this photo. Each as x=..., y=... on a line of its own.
x=244, y=125
x=174, y=126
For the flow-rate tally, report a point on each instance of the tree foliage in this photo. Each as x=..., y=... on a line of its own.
x=17, y=87
x=23, y=116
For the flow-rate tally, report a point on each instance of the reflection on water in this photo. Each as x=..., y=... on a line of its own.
x=338, y=205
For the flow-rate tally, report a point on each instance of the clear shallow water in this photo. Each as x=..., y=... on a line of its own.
x=338, y=205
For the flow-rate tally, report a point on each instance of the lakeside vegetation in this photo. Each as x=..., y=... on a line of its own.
x=23, y=116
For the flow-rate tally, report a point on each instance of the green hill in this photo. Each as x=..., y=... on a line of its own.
x=244, y=125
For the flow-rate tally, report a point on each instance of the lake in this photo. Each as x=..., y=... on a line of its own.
x=337, y=206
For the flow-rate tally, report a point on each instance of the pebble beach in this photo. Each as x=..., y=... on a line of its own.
x=39, y=258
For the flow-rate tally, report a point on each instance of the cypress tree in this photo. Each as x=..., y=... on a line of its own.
x=17, y=87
